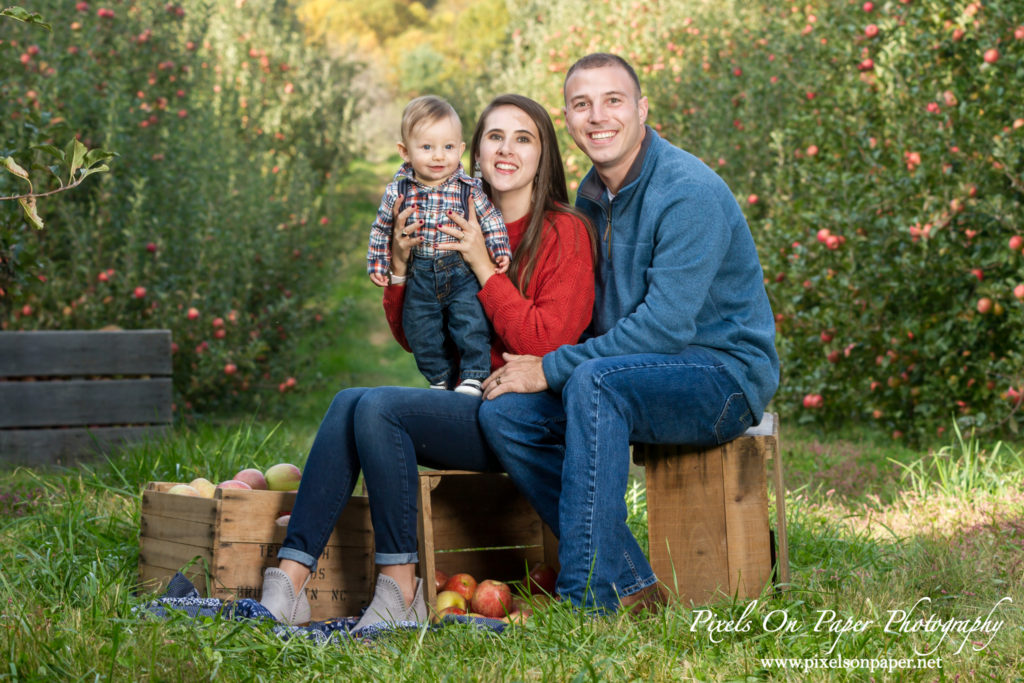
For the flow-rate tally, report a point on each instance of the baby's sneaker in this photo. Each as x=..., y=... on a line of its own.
x=472, y=387
x=440, y=385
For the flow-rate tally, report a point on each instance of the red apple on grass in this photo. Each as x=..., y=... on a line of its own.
x=492, y=599
x=253, y=477
x=463, y=584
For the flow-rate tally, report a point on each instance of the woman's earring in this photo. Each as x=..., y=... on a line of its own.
x=477, y=173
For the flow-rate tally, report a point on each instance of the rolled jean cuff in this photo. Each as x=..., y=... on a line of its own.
x=297, y=556
x=639, y=586
x=395, y=558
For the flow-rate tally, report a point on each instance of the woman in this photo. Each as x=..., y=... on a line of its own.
x=544, y=301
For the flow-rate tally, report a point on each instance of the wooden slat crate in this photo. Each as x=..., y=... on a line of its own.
x=65, y=395
x=223, y=545
x=479, y=524
x=707, y=515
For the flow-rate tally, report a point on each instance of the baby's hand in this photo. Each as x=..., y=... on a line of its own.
x=379, y=280
x=502, y=262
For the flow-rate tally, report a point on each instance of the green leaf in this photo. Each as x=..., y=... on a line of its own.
x=96, y=156
x=102, y=168
x=11, y=165
x=74, y=153
x=28, y=205
x=21, y=14
x=51, y=150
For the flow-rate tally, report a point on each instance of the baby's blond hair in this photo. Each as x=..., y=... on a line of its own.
x=426, y=109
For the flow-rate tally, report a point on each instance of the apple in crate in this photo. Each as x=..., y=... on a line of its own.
x=447, y=599
x=542, y=579
x=440, y=579
x=492, y=599
x=253, y=477
x=283, y=477
x=204, y=486
x=234, y=484
x=462, y=583
x=184, y=490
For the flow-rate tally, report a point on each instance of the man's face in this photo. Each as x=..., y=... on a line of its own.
x=606, y=119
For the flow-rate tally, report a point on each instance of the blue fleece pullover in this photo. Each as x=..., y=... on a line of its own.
x=676, y=266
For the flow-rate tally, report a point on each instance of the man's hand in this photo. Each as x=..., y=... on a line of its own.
x=520, y=374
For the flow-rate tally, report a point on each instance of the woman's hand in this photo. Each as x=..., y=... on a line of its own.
x=403, y=239
x=471, y=245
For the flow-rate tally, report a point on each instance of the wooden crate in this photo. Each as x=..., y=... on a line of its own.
x=69, y=394
x=707, y=515
x=224, y=543
x=479, y=524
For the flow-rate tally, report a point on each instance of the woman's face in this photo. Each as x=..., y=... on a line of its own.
x=509, y=150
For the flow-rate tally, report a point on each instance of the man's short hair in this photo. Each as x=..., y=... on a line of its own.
x=426, y=109
x=596, y=60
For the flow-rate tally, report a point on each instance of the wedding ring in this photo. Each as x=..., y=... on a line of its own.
x=405, y=234
x=497, y=380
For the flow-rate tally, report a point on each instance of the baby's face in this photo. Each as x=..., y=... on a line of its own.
x=434, y=149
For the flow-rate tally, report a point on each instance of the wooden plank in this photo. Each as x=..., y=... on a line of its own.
x=249, y=517
x=746, y=517
x=85, y=403
x=71, y=353
x=178, y=530
x=779, y=485
x=157, y=552
x=425, y=532
x=187, y=508
x=686, y=522
x=65, y=446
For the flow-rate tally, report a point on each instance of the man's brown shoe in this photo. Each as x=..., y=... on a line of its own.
x=652, y=599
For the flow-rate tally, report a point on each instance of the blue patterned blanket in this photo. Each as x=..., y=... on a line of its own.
x=182, y=596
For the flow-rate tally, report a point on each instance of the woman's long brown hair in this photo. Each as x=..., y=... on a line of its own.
x=550, y=193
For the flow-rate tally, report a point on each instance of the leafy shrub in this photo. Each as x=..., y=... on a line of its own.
x=876, y=148
x=223, y=206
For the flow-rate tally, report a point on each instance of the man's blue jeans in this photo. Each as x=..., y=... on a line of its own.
x=444, y=322
x=569, y=454
x=386, y=431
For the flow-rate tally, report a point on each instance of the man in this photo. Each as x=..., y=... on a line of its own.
x=680, y=349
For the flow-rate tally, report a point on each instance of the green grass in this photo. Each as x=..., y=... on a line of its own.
x=71, y=543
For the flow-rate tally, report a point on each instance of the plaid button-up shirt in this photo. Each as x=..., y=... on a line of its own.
x=431, y=205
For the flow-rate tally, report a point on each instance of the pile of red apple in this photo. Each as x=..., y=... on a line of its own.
x=460, y=594
x=281, y=477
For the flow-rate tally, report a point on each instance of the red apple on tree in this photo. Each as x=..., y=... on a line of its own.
x=463, y=584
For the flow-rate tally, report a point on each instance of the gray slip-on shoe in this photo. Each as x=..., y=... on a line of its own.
x=388, y=606
x=280, y=598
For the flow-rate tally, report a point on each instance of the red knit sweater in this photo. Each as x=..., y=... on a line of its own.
x=559, y=299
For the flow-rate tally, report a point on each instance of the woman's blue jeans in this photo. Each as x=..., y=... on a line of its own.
x=569, y=454
x=387, y=432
